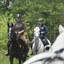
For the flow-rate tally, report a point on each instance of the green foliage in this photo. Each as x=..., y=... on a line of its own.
x=31, y=10
x=51, y=11
x=3, y=29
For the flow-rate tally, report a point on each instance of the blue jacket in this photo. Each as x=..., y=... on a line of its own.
x=43, y=28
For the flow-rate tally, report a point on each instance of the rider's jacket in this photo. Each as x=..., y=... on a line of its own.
x=43, y=28
x=18, y=26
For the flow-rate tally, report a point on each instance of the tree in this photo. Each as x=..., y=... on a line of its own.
x=31, y=11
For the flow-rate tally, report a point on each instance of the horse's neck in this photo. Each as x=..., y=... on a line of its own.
x=14, y=41
x=37, y=42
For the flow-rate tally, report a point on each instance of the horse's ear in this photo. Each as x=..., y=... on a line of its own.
x=61, y=28
x=8, y=24
x=12, y=24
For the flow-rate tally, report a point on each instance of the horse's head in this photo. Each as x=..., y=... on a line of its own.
x=59, y=42
x=36, y=32
x=10, y=31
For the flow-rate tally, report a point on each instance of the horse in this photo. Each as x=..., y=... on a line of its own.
x=17, y=46
x=55, y=55
x=46, y=58
x=58, y=44
x=38, y=46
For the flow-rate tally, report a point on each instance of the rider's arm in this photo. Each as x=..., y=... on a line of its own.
x=45, y=30
x=23, y=28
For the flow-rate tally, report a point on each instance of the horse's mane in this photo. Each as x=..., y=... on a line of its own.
x=59, y=42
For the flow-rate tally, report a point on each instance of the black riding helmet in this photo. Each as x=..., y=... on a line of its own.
x=18, y=16
x=41, y=20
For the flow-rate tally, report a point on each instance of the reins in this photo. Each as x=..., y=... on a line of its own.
x=38, y=48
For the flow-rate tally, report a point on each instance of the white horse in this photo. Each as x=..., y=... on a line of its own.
x=51, y=57
x=46, y=58
x=59, y=42
x=38, y=46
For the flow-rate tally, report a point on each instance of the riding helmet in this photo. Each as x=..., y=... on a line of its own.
x=18, y=16
x=41, y=19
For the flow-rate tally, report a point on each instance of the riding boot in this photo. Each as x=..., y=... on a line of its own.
x=7, y=53
x=8, y=44
x=47, y=43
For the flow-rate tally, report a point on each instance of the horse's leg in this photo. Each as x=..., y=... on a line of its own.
x=19, y=61
x=11, y=60
x=24, y=58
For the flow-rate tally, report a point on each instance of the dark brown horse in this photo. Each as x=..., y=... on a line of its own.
x=17, y=46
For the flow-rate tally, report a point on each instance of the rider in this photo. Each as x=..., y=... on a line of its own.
x=20, y=28
x=43, y=31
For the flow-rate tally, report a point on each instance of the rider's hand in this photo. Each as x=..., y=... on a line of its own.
x=16, y=32
x=42, y=32
x=19, y=33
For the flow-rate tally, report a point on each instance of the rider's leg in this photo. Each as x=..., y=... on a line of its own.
x=47, y=43
x=26, y=44
x=8, y=44
x=43, y=41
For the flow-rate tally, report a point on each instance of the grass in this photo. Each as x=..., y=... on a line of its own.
x=5, y=59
